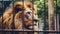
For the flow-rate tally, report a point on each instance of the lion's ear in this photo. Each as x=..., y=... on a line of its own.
x=18, y=7
x=29, y=4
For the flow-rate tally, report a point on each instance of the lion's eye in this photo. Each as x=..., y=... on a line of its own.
x=28, y=12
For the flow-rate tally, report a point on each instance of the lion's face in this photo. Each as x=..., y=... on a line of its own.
x=30, y=14
x=31, y=18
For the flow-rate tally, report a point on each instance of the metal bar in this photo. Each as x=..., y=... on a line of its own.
x=7, y=30
x=14, y=13
x=23, y=15
x=3, y=24
x=33, y=16
x=12, y=24
x=32, y=13
x=44, y=14
x=2, y=14
x=23, y=21
x=58, y=22
x=13, y=29
x=56, y=17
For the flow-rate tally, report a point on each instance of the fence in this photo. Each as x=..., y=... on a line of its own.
x=4, y=4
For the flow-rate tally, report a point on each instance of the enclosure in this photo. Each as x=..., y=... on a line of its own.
x=48, y=12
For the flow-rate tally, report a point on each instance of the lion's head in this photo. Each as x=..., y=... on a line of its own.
x=29, y=12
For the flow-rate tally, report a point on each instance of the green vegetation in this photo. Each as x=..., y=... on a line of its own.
x=40, y=5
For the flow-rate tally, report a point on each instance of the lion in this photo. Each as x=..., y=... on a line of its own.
x=22, y=15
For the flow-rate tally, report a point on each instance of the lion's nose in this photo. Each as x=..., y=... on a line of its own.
x=36, y=20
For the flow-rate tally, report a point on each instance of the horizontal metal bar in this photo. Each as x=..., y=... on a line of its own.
x=17, y=30
x=6, y=0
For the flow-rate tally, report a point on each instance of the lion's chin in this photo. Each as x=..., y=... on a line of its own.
x=31, y=27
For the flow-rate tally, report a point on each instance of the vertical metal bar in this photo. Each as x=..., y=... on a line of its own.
x=23, y=21
x=45, y=16
x=12, y=24
x=22, y=15
x=15, y=14
x=2, y=16
x=56, y=14
x=32, y=15
x=9, y=31
x=3, y=24
x=28, y=31
x=57, y=18
x=32, y=1
x=44, y=13
x=58, y=22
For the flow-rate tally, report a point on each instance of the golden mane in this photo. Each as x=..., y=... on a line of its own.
x=8, y=15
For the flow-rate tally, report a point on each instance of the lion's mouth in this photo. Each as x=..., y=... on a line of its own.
x=30, y=27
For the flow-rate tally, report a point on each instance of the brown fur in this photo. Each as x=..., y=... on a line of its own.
x=8, y=15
